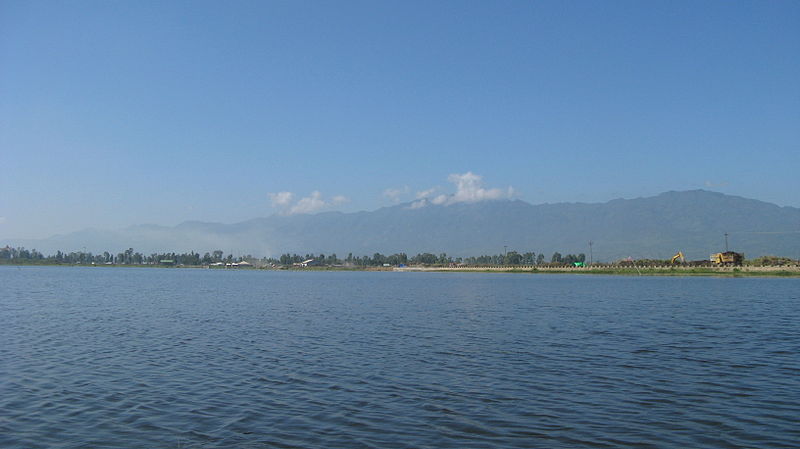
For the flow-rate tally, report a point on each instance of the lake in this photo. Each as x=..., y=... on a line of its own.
x=188, y=358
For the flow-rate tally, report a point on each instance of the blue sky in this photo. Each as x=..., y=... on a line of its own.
x=121, y=113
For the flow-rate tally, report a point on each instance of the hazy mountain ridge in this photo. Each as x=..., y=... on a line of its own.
x=652, y=227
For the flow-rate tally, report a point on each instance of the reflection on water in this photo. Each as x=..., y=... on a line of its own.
x=143, y=358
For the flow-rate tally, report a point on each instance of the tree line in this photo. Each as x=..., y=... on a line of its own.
x=127, y=257
x=378, y=259
x=131, y=257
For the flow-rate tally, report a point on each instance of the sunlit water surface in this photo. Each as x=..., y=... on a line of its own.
x=181, y=358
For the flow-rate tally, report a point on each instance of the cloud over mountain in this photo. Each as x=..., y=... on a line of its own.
x=283, y=201
x=396, y=194
x=469, y=189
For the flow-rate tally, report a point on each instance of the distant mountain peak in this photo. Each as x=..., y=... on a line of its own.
x=692, y=221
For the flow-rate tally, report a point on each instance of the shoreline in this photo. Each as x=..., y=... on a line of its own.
x=741, y=271
x=744, y=271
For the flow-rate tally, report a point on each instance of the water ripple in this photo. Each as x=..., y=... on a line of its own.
x=137, y=358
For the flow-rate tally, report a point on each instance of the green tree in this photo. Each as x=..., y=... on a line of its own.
x=424, y=258
x=528, y=258
x=513, y=258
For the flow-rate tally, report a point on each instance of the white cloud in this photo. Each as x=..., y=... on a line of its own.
x=281, y=199
x=440, y=199
x=426, y=193
x=339, y=199
x=469, y=189
x=418, y=204
x=2, y=220
x=395, y=194
x=306, y=205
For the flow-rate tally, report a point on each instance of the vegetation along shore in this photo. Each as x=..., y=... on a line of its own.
x=510, y=262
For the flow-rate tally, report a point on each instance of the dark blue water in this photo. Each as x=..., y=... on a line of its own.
x=171, y=358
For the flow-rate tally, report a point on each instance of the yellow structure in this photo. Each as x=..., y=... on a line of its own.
x=727, y=258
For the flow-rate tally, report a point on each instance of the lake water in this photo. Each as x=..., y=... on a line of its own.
x=182, y=358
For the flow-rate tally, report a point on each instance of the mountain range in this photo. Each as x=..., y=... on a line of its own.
x=654, y=227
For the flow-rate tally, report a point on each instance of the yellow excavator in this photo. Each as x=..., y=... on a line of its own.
x=679, y=257
x=727, y=258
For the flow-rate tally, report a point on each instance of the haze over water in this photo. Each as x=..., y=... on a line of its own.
x=142, y=358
